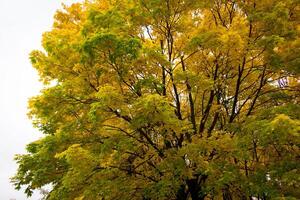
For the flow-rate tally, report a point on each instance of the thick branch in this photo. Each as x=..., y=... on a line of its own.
x=190, y=96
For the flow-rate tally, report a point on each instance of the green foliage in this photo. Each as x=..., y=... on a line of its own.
x=167, y=100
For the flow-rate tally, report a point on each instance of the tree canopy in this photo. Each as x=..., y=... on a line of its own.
x=167, y=99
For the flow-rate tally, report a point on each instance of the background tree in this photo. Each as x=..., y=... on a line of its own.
x=167, y=100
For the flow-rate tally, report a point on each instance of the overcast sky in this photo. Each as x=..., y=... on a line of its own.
x=22, y=23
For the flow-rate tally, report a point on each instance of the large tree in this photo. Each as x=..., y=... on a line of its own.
x=168, y=99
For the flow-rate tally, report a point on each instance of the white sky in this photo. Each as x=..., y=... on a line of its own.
x=22, y=23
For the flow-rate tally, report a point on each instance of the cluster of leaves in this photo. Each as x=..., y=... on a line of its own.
x=169, y=99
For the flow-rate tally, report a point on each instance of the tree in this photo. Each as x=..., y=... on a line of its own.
x=167, y=99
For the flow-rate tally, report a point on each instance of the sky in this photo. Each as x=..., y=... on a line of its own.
x=22, y=23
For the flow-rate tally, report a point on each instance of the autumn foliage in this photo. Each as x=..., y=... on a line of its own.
x=168, y=99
